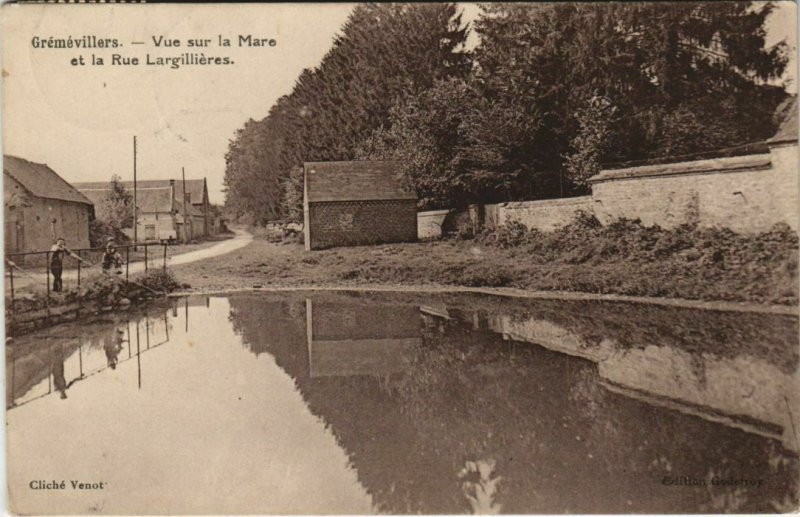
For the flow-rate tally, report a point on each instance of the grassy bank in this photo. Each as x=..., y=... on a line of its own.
x=110, y=290
x=624, y=258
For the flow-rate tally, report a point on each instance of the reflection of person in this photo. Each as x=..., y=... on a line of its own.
x=111, y=257
x=57, y=253
x=113, y=347
x=57, y=367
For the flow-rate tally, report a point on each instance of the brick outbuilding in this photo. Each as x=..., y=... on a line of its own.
x=356, y=202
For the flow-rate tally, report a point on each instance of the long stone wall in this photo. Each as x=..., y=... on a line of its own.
x=747, y=194
x=544, y=215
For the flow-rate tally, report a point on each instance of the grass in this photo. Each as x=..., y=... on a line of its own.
x=102, y=287
x=624, y=258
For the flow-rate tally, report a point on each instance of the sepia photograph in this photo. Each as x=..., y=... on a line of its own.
x=401, y=258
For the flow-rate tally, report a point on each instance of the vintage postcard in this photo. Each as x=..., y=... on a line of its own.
x=401, y=258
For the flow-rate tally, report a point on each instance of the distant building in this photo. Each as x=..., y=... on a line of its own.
x=201, y=217
x=160, y=216
x=354, y=203
x=39, y=206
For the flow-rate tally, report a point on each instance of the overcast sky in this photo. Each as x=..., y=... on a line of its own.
x=80, y=120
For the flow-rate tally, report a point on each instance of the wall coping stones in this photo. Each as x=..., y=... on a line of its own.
x=715, y=166
x=547, y=202
x=433, y=213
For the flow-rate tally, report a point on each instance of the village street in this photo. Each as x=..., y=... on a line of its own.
x=241, y=239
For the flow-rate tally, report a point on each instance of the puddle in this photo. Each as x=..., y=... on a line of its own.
x=406, y=403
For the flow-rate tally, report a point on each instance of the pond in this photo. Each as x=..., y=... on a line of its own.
x=342, y=402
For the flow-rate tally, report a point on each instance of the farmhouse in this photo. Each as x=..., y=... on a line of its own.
x=161, y=214
x=39, y=206
x=355, y=203
x=198, y=207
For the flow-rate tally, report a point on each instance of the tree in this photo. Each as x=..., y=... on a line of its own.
x=590, y=142
x=293, y=195
x=656, y=63
x=116, y=208
x=385, y=52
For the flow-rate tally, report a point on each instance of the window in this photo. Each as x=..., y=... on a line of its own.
x=149, y=232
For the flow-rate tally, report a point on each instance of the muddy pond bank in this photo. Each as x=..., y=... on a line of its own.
x=100, y=293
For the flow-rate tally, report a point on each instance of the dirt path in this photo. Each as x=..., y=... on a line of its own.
x=240, y=240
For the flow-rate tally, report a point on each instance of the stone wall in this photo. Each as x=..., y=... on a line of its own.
x=545, y=215
x=352, y=223
x=747, y=194
x=429, y=224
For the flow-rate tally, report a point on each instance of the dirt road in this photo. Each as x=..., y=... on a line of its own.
x=240, y=240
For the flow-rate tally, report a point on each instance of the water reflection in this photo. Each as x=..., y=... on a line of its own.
x=352, y=340
x=570, y=421
x=439, y=404
x=51, y=361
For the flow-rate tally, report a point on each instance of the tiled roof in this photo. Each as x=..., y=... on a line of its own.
x=354, y=181
x=149, y=199
x=41, y=181
x=194, y=188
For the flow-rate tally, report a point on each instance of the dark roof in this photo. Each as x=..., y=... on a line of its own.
x=95, y=196
x=154, y=199
x=787, y=113
x=354, y=181
x=149, y=199
x=190, y=209
x=194, y=188
x=41, y=181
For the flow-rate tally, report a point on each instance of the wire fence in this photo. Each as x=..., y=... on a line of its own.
x=34, y=274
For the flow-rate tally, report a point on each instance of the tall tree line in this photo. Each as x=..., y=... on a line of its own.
x=551, y=92
x=384, y=53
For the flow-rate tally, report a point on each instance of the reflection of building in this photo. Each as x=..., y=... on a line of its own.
x=359, y=339
x=467, y=391
x=40, y=206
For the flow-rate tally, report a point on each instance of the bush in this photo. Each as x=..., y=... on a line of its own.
x=631, y=258
x=158, y=280
x=100, y=231
x=510, y=235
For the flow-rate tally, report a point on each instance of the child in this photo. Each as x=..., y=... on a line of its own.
x=111, y=257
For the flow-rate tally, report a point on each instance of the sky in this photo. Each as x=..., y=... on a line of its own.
x=81, y=119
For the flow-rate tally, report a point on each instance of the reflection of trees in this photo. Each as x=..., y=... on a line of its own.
x=559, y=440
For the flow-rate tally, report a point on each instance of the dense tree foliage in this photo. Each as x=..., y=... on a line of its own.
x=552, y=91
x=116, y=207
x=384, y=53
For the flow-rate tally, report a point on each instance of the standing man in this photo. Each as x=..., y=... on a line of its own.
x=57, y=253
